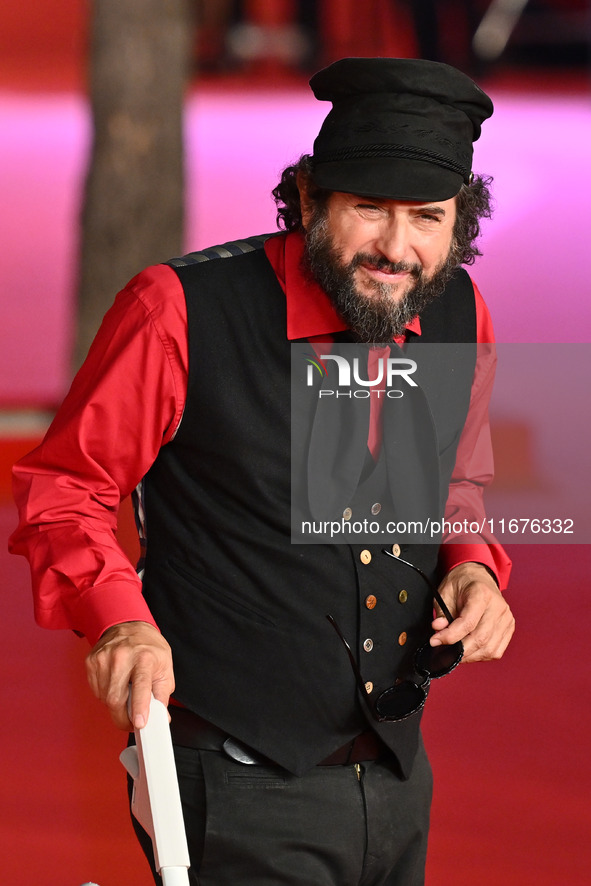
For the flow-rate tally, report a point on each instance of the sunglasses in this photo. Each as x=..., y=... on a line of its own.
x=408, y=696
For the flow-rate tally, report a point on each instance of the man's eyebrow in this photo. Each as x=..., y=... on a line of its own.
x=434, y=210
x=379, y=201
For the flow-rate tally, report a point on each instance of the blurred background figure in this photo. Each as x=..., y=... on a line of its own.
x=251, y=33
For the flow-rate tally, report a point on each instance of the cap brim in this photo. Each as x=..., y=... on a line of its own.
x=398, y=179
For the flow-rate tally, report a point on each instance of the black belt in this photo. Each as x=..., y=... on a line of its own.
x=189, y=730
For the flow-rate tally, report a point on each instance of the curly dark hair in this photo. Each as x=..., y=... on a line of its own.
x=474, y=202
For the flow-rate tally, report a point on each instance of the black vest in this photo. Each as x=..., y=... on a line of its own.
x=243, y=608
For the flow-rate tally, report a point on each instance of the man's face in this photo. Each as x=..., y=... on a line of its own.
x=380, y=261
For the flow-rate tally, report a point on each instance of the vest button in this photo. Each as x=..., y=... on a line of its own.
x=403, y=596
x=368, y=644
x=370, y=601
x=347, y=514
x=375, y=509
x=396, y=550
x=369, y=687
x=402, y=638
x=365, y=557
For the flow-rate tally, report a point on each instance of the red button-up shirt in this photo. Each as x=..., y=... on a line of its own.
x=127, y=402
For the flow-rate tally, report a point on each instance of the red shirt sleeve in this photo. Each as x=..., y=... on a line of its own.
x=473, y=469
x=124, y=404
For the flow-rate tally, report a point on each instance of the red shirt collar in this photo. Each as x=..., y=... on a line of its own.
x=310, y=312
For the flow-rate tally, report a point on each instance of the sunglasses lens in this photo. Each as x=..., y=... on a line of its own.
x=438, y=660
x=401, y=701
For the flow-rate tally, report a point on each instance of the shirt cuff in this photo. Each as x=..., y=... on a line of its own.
x=492, y=556
x=104, y=606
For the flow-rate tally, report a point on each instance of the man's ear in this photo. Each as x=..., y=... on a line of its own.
x=306, y=202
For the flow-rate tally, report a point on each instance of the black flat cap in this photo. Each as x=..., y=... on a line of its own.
x=398, y=128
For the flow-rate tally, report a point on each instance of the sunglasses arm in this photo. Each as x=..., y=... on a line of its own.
x=436, y=593
x=354, y=665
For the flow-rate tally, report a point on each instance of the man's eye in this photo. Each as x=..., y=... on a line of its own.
x=367, y=207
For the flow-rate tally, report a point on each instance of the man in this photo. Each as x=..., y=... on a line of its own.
x=298, y=762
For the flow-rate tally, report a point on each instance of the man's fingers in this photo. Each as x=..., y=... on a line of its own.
x=132, y=653
x=143, y=686
x=163, y=688
x=484, y=623
x=460, y=628
x=139, y=704
x=485, y=631
x=491, y=640
x=110, y=685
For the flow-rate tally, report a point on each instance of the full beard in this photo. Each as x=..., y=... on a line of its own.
x=380, y=316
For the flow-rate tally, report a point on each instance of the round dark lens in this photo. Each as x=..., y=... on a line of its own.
x=438, y=660
x=401, y=701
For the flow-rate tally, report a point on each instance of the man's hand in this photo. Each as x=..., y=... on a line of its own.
x=482, y=618
x=133, y=652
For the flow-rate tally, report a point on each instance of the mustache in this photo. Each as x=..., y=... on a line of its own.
x=382, y=264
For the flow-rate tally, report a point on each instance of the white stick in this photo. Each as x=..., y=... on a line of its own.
x=156, y=801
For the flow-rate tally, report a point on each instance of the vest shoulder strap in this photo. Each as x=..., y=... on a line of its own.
x=224, y=250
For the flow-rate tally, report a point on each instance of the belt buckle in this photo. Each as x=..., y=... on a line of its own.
x=241, y=753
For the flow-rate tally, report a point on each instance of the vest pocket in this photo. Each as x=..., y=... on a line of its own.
x=218, y=594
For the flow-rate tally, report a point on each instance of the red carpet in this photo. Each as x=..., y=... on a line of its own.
x=509, y=741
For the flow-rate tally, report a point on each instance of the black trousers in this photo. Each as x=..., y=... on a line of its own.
x=336, y=826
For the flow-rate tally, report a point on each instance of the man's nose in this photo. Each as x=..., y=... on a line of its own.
x=393, y=240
